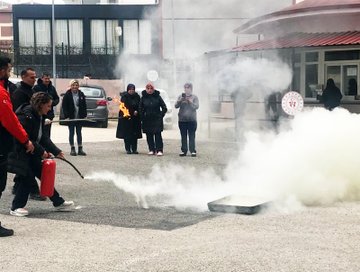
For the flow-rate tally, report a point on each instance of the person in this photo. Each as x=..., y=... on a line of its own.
x=32, y=118
x=352, y=87
x=129, y=124
x=9, y=127
x=24, y=91
x=152, y=111
x=187, y=103
x=20, y=96
x=74, y=107
x=331, y=95
x=44, y=84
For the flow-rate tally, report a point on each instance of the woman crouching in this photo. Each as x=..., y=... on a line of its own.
x=28, y=166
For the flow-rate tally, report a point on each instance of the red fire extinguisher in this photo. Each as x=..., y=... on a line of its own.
x=47, y=177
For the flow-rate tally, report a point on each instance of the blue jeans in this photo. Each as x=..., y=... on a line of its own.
x=188, y=129
x=72, y=127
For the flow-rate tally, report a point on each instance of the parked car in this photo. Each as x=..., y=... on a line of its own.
x=168, y=120
x=96, y=104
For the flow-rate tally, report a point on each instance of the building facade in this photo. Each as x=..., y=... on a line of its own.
x=88, y=38
x=317, y=39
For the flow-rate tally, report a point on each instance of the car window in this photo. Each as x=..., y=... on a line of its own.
x=91, y=92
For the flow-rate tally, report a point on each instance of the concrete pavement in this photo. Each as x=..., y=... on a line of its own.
x=109, y=232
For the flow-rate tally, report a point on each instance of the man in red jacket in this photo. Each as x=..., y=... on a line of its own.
x=9, y=127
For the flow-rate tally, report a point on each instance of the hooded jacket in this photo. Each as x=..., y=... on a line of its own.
x=152, y=111
x=19, y=161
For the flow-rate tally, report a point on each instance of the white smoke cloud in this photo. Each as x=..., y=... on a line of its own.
x=314, y=162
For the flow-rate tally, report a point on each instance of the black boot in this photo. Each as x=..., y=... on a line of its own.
x=73, y=152
x=5, y=232
x=81, y=151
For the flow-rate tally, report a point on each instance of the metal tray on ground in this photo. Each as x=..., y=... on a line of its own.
x=238, y=204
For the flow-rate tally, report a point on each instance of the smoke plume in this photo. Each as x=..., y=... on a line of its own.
x=314, y=162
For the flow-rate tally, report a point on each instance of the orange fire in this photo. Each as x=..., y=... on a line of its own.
x=124, y=110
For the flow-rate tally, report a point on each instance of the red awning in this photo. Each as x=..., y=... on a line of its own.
x=294, y=40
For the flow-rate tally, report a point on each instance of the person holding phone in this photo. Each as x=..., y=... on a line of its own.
x=187, y=103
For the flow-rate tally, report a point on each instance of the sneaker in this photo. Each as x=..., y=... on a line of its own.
x=159, y=153
x=19, y=212
x=5, y=232
x=182, y=154
x=151, y=153
x=37, y=197
x=135, y=152
x=128, y=152
x=66, y=206
x=193, y=154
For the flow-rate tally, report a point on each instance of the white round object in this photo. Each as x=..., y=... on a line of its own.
x=152, y=75
x=292, y=103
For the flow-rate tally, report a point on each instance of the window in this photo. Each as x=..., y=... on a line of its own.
x=104, y=38
x=42, y=37
x=26, y=37
x=312, y=56
x=137, y=36
x=69, y=36
x=342, y=55
x=311, y=80
x=34, y=37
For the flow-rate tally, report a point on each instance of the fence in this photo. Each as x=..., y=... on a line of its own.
x=71, y=62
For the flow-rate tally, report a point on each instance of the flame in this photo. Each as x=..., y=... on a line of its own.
x=124, y=110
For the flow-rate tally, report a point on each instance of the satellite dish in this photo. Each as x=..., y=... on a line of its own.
x=152, y=75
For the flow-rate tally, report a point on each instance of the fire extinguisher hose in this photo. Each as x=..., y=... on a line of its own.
x=73, y=166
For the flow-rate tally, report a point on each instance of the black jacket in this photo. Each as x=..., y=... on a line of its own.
x=19, y=162
x=331, y=97
x=68, y=106
x=50, y=89
x=129, y=127
x=152, y=111
x=21, y=95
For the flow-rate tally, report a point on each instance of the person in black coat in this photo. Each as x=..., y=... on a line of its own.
x=21, y=96
x=129, y=124
x=28, y=165
x=74, y=107
x=331, y=95
x=44, y=85
x=152, y=112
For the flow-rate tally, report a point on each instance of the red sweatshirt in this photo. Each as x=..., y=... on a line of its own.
x=8, y=118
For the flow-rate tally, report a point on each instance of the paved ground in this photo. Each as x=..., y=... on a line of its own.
x=110, y=232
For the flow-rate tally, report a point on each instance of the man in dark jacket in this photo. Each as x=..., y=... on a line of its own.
x=23, y=93
x=44, y=85
x=20, y=96
x=9, y=127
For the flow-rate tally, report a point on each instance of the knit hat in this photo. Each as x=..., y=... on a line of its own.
x=130, y=86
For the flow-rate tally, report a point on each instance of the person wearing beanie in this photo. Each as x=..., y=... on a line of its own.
x=187, y=103
x=129, y=124
x=74, y=107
